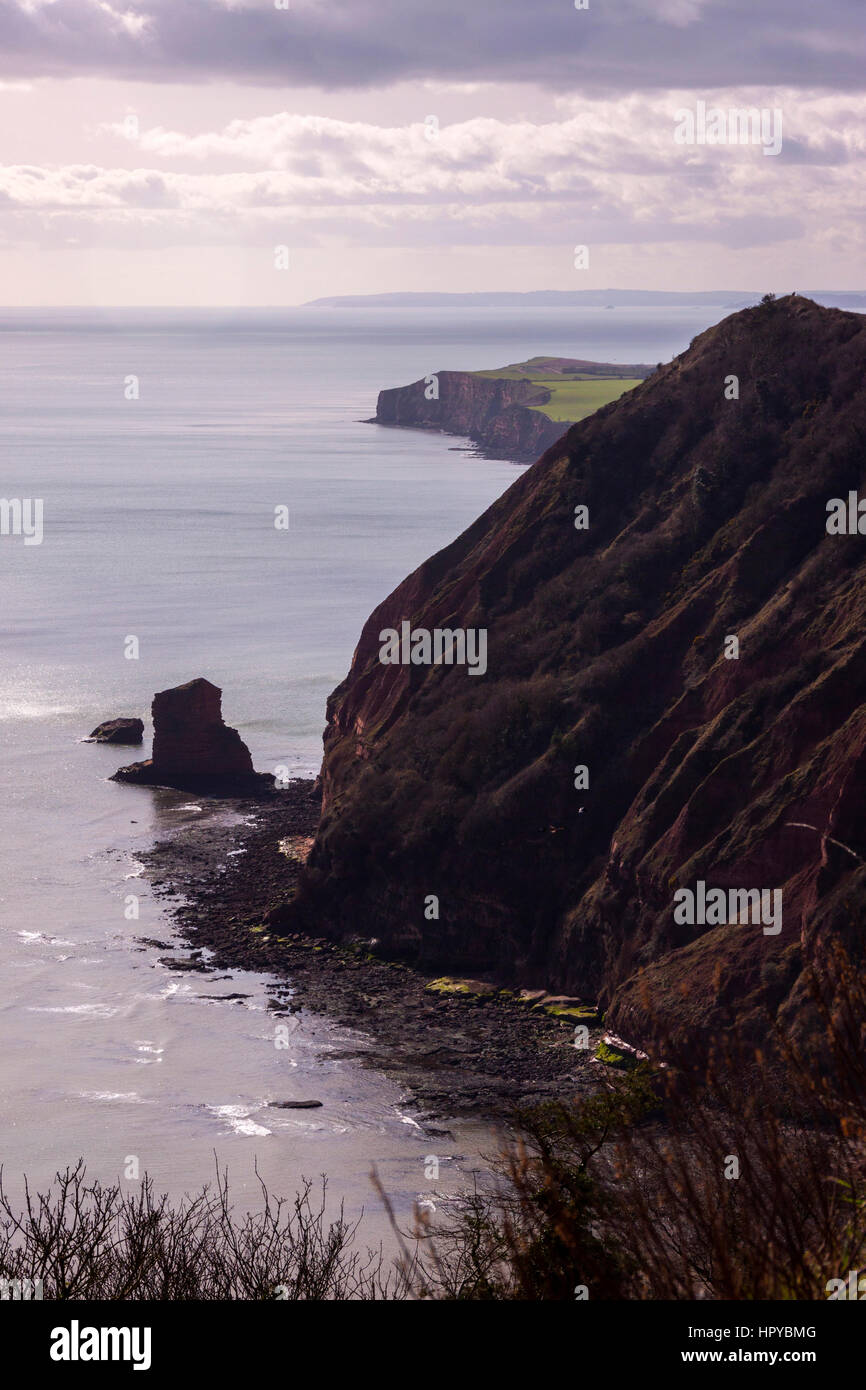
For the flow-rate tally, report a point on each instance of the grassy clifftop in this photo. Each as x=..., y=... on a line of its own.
x=574, y=388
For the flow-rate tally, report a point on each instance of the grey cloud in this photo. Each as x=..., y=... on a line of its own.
x=611, y=47
x=259, y=228
x=147, y=191
x=827, y=151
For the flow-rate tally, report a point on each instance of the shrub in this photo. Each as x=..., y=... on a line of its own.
x=88, y=1240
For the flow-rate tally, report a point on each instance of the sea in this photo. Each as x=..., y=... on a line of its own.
x=163, y=445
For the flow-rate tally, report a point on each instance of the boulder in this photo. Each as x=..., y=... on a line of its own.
x=295, y=1104
x=193, y=749
x=118, y=731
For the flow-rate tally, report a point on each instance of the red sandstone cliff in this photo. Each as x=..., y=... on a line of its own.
x=607, y=649
x=493, y=412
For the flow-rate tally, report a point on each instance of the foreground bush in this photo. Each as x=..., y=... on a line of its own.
x=726, y=1175
x=89, y=1240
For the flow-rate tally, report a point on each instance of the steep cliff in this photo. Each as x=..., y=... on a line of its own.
x=699, y=647
x=492, y=412
x=511, y=413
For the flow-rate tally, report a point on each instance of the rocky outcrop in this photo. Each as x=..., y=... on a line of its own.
x=118, y=731
x=193, y=749
x=493, y=412
x=497, y=412
x=675, y=695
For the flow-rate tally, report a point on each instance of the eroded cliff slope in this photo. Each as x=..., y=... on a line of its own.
x=505, y=412
x=610, y=648
x=494, y=414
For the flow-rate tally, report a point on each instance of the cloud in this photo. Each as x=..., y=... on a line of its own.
x=602, y=172
x=487, y=155
x=613, y=47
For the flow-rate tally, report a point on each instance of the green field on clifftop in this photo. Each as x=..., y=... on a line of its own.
x=574, y=400
x=573, y=394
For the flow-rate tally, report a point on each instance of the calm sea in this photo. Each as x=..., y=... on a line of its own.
x=159, y=525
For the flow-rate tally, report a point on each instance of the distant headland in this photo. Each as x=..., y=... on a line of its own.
x=513, y=412
x=579, y=299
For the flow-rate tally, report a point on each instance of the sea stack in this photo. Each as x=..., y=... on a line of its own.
x=193, y=749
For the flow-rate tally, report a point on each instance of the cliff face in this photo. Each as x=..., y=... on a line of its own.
x=699, y=648
x=492, y=412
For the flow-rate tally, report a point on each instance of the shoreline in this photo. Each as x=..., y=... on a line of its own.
x=479, y=1054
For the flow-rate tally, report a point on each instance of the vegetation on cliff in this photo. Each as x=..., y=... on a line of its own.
x=572, y=388
x=512, y=412
x=734, y=763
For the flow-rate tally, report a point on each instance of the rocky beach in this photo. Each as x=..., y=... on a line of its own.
x=460, y=1048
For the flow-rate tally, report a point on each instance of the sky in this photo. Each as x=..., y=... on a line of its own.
x=267, y=152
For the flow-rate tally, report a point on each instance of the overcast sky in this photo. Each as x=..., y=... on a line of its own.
x=158, y=152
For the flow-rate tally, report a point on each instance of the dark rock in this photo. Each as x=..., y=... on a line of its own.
x=278, y=916
x=193, y=749
x=295, y=1104
x=118, y=731
x=181, y=964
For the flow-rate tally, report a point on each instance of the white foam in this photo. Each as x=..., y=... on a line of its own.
x=170, y=989
x=238, y=1119
x=95, y=1010
x=28, y=936
x=127, y=1097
